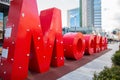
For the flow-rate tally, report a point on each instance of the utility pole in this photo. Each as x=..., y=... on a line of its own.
x=75, y=18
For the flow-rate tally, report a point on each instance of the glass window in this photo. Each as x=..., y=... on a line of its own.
x=97, y=26
x=97, y=11
x=97, y=1
x=97, y=5
x=97, y=16
x=97, y=8
x=97, y=23
x=97, y=19
x=1, y=25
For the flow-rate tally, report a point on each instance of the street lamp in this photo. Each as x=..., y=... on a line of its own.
x=75, y=22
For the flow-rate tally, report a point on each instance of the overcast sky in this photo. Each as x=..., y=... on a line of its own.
x=61, y=4
x=110, y=11
x=110, y=14
x=64, y=5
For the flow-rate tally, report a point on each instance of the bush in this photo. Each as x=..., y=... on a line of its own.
x=116, y=58
x=108, y=74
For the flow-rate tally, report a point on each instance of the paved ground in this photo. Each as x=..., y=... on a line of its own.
x=86, y=72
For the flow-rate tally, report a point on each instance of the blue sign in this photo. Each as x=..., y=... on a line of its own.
x=1, y=17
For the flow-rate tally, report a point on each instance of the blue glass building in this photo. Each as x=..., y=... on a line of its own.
x=74, y=18
x=97, y=13
x=87, y=16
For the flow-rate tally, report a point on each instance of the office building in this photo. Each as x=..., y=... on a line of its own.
x=87, y=13
x=88, y=17
x=73, y=18
x=75, y=21
x=97, y=14
x=91, y=13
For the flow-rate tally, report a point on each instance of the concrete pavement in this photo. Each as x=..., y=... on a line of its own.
x=87, y=71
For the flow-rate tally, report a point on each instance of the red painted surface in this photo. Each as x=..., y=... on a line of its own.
x=102, y=43
x=89, y=42
x=74, y=45
x=26, y=29
x=53, y=41
x=52, y=31
x=96, y=43
x=21, y=19
x=106, y=43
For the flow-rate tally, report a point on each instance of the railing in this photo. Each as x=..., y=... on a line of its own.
x=5, y=1
x=86, y=30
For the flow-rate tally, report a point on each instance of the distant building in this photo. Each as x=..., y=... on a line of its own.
x=74, y=17
x=87, y=13
x=97, y=14
x=91, y=13
x=74, y=21
x=86, y=18
x=4, y=7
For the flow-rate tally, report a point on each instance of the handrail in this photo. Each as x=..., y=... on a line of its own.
x=5, y=2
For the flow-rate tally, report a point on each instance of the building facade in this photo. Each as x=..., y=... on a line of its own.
x=84, y=13
x=73, y=17
x=87, y=17
x=4, y=7
x=91, y=13
x=97, y=14
x=87, y=10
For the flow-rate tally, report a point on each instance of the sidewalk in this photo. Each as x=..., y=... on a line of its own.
x=86, y=72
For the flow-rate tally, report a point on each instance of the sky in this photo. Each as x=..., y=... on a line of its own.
x=110, y=11
x=61, y=4
x=64, y=5
x=110, y=14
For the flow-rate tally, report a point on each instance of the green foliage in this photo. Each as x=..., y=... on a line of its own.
x=116, y=58
x=108, y=74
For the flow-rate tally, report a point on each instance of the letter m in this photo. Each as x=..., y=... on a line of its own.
x=31, y=42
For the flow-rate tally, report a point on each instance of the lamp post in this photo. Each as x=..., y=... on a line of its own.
x=75, y=22
x=68, y=29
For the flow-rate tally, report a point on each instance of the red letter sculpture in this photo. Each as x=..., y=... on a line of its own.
x=23, y=28
x=53, y=42
x=74, y=45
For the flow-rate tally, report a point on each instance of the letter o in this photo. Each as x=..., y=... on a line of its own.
x=74, y=45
